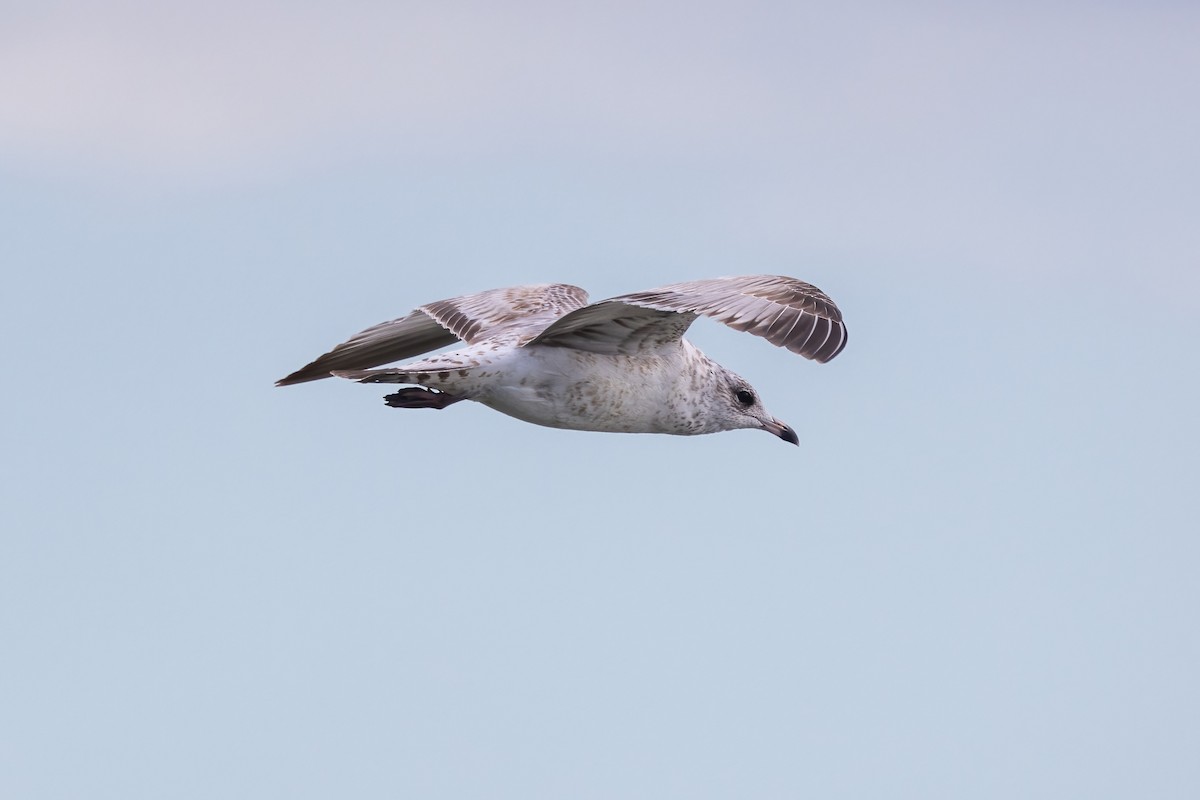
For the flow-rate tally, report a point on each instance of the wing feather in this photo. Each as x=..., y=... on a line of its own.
x=785, y=311
x=470, y=318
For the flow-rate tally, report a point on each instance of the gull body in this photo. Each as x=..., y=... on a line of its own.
x=541, y=355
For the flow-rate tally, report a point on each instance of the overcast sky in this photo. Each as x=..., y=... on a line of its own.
x=977, y=576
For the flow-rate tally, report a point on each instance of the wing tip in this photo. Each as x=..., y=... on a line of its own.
x=303, y=375
x=824, y=353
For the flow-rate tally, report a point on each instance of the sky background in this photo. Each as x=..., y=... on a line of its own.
x=978, y=576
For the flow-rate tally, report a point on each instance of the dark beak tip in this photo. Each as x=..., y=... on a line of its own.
x=781, y=429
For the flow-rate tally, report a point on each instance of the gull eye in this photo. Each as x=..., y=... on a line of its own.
x=744, y=397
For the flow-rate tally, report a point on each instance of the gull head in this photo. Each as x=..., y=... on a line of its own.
x=739, y=406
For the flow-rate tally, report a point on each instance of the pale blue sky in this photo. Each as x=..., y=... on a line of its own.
x=978, y=576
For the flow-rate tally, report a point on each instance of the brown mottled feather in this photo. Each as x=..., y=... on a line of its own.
x=786, y=312
x=469, y=318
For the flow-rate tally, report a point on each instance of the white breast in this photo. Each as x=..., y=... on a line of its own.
x=564, y=388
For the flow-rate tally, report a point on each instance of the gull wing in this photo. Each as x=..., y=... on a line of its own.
x=470, y=318
x=786, y=312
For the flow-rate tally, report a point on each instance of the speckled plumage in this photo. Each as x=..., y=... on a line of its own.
x=540, y=354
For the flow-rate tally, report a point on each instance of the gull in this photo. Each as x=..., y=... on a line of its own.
x=542, y=354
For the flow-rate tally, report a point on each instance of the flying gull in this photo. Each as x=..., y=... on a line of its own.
x=543, y=355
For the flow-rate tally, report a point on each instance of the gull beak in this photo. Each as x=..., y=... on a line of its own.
x=782, y=431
